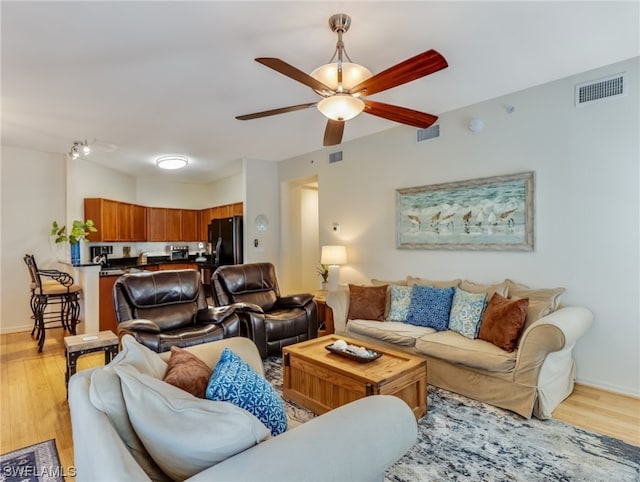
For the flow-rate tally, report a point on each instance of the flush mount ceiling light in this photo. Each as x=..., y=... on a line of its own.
x=79, y=147
x=172, y=162
x=345, y=86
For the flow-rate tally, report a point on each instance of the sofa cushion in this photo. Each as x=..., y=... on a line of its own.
x=187, y=371
x=455, y=348
x=412, y=280
x=387, y=304
x=185, y=434
x=396, y=332
x=367, y=302
x=466, y=312
x=489, y=289
x=105, y=394
x=400, y=300
x=235, y=381
x=503, y=321
x=430, y=307
x=549, y=296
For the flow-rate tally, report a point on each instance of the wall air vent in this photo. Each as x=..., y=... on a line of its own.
x=335, y=157
x=601, y=89
x=428, y=133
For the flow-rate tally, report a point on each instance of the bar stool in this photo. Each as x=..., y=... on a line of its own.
x=56, y=291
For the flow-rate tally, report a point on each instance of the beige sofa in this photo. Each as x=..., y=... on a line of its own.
x=111, y=445
x=531, y=380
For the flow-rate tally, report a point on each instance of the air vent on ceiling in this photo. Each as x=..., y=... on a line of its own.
x=428, y=133
x=335, y=157
x=601, y=89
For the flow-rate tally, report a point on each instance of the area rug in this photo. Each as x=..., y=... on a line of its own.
x=35, y=463
x=460, y=439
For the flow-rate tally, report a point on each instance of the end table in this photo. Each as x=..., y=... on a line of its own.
x=78, y=345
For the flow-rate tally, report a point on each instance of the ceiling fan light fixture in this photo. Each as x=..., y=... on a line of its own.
x=172, y=162
x=352, y=75
x=341, y=107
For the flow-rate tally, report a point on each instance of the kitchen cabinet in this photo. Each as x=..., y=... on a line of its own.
x=173, y=225
x=138, y=223
x=124, y=222
x=190, y=231
x=104, y=214
x=185, y=265
x=237, y=209
x=156, y=220
x=107, y=310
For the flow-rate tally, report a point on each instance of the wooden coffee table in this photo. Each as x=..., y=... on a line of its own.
x=321, y=381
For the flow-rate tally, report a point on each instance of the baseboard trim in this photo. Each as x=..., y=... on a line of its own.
x=609, y=390
x=15, y=329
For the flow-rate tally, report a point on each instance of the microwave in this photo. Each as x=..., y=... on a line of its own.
x=179, y=252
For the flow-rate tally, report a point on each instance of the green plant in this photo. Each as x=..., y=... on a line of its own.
x=323, y=271
x=79, y=231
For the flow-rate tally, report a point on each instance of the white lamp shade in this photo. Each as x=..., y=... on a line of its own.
x=341, y=107
x=352, y=75
x=334, y=255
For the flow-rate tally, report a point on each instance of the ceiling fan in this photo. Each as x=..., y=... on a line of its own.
x=344, y=86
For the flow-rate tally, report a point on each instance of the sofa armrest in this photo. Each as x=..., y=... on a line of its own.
x=378, y=431
x=215, y=314
x=555, y=332
x=338, y=301
x=245, y=307
x=93, y=434
x=295, y=301
x=138, y=324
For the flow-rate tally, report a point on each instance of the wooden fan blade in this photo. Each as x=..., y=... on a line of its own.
x=333, y=132
x=399, y=114
x=411, y=69
x=293, y=73
x=282, y=110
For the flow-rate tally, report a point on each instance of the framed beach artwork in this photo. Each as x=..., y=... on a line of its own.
x=493, y=213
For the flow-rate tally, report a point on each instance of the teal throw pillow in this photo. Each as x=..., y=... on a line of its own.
x=466, y=312
x=430, y=307
x=400, y=300
x=234, y=381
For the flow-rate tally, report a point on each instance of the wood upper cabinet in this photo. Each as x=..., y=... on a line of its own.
x=156, y=221
x=125, y=222
x=205, y=215
x=190, y=231
x=173, y=228
x=138, y=223
x=237, y=209
x=104, y=214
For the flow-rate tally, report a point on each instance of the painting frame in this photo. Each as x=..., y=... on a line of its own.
x=492, y=213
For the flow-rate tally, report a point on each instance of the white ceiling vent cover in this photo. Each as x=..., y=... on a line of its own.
x=601, y=89
x=428, y=133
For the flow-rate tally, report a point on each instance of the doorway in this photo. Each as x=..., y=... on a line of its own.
x=300, y=245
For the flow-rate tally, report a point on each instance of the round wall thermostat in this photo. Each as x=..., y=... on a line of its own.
x=262, y=222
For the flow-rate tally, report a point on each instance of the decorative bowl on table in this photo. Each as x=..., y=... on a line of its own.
x=353, y=352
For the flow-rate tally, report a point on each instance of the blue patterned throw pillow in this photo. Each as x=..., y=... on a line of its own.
x=234, y=381
x=430, y=307
x=466, y=312
x=400, y=300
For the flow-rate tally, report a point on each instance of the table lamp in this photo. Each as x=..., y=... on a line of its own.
x=334, y=256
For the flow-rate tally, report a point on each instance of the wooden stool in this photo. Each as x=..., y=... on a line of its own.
x=78, y=345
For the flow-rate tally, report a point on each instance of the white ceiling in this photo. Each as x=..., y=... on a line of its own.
x=141, y=79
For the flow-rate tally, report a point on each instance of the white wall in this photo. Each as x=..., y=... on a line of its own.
x=261, y=195
x=586, y=206
x=33, y=196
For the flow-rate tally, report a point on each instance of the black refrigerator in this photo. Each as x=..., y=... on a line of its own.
x=225, y=236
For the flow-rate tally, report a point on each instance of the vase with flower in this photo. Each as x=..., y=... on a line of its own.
x=323, y=272
x=79, y=232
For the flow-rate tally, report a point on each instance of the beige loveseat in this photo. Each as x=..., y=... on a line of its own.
x=531, y=380
x=130, y=425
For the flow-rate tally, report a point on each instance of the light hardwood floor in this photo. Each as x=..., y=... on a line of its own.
x=34, y=406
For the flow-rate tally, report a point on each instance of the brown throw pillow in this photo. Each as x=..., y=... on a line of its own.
x=367, y=302
x=188, y=372
x=502, y=321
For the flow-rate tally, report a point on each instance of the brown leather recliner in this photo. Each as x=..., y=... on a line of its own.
x=168, y=308
x=270, y=320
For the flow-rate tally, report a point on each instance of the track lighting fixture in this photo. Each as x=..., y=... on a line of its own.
x=79, y=147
